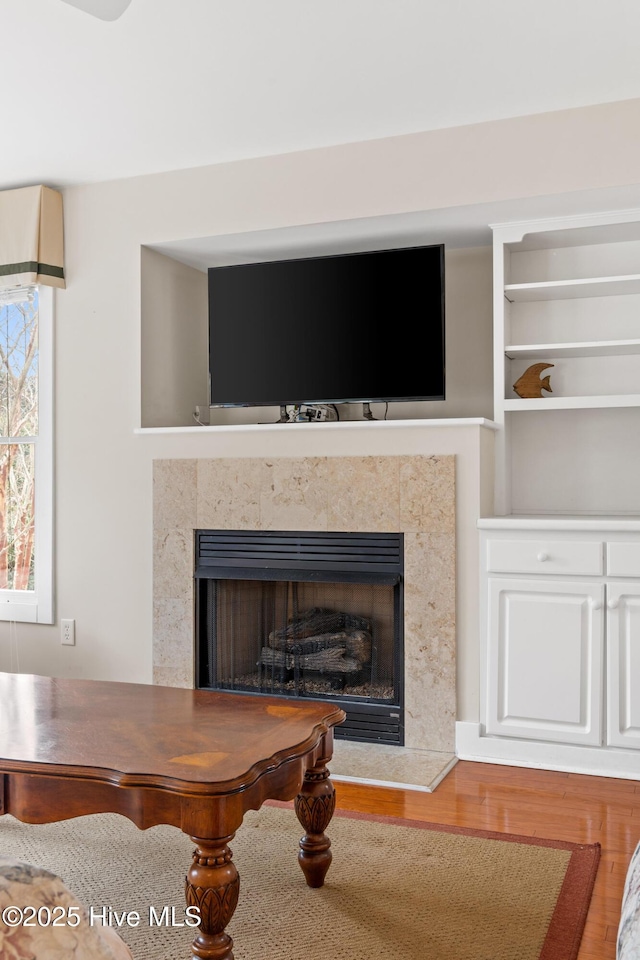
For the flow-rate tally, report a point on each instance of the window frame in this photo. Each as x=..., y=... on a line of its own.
x=36, y=606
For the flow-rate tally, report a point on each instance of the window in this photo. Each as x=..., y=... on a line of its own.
x=26, y=454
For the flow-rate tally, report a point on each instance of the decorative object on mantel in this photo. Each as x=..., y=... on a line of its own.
x=529, y=385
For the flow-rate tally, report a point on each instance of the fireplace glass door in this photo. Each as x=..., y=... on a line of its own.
x=306, y=634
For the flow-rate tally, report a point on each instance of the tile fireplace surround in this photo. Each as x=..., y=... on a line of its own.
x=413, y=495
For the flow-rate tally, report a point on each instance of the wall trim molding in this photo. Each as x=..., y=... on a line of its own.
x=605, y=761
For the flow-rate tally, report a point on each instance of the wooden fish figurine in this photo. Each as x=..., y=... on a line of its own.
x=529, y=385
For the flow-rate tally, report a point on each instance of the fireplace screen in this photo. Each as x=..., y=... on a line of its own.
x=301, y=638
x=325, y=637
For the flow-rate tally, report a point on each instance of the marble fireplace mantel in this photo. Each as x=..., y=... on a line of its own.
x=413, y=495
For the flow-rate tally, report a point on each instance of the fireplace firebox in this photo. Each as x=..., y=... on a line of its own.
x=315, y=615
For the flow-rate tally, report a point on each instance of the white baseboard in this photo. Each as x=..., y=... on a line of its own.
x=472, y=744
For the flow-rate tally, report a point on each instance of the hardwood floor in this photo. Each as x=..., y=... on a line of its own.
x=540, y=803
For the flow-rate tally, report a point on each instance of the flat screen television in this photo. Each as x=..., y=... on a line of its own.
x=359, y=327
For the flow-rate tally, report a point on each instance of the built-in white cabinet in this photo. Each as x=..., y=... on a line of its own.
x=623, y=664
x=560, y=557
x=544, y=660
x=560, y=632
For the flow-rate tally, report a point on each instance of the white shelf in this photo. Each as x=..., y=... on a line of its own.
x=322, y=426
x=573, y=289
x=597, y=524
x=592, y=348
x=572, y=403
x=583, y=320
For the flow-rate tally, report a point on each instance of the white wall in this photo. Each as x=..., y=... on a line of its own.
x=175, y=344
x=103, y=469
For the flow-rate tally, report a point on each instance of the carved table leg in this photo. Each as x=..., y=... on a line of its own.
x=212, y=885
x=314, y=807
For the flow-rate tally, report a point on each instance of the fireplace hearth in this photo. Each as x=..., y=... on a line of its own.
x=304, y=614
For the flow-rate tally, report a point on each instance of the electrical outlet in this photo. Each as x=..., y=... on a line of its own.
x=68, y=632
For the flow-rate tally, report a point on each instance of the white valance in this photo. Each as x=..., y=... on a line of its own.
x=31, y=237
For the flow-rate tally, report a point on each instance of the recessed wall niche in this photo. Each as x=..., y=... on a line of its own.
x=174, y=321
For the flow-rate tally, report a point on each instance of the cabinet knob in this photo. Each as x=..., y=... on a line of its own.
x=612, y=604
x=597, y=604
x=542, y=557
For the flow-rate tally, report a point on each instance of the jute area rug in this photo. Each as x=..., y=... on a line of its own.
x=395, y=889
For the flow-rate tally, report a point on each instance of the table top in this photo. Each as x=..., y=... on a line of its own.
x=138, y=735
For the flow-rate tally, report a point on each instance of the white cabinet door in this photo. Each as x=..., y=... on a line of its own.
x=545, y=651
x=623, y=664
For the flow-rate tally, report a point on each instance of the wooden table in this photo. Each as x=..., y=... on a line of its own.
x=195, y=759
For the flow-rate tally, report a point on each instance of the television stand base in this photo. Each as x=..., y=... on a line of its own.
x=366, y=412
x=307, y=413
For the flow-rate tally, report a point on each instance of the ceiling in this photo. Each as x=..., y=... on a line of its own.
x=185, y=83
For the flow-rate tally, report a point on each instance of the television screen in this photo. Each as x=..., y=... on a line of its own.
x=363, y=327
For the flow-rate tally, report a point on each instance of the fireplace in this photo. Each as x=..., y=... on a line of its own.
x=413, y=495
x=305, y=614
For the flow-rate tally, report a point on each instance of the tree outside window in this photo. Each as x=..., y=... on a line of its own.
x=18, y=431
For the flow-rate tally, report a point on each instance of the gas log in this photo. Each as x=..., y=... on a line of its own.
x=331, y=660
x=321, y=640
x=316, y=621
